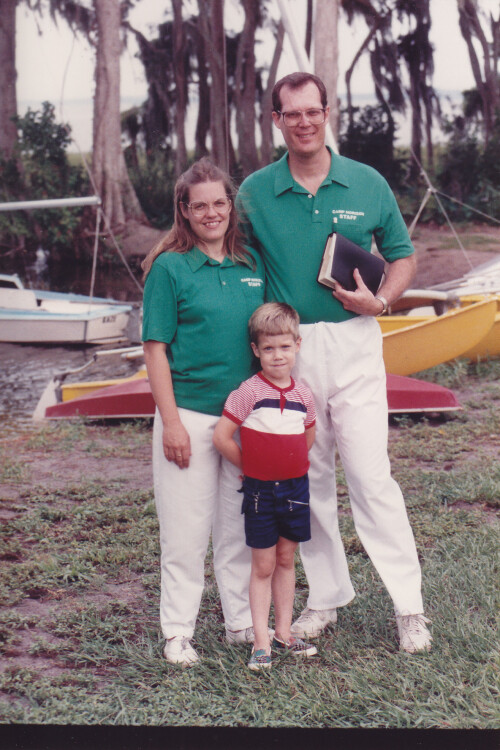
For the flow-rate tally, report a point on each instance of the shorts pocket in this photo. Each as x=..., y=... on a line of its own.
x=250, y=503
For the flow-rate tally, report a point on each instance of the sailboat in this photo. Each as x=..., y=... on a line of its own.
x=45, y=317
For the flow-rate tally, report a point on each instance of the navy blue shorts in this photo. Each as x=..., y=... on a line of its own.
x=274, y=509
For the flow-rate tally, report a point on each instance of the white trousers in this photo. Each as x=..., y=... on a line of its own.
x=343, y=366
x=192, y=503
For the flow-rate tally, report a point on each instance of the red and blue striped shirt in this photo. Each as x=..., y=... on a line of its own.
x=273, y=422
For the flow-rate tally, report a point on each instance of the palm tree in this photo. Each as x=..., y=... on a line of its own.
x=417, y=52
x=384, y=61
x=487, y=80
x=386, y=53
x=109, y=171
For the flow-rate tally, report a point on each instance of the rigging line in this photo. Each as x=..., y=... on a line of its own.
x=431, y=190
x=65, y=73
x=471, y=208
x=96, y=247
x=120, y=252
x=105, y=218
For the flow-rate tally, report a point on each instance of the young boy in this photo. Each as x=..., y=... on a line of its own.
x=277, y=417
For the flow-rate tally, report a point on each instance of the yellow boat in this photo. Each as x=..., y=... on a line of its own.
x=421, y=342
x=487, y=348
x=436, y=339
x=69, y=391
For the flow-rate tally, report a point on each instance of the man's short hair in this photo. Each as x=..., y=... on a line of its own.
x=273, y=319
x=296, y=81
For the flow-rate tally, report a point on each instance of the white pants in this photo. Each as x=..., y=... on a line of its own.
x=343, y=366
x=191, y=503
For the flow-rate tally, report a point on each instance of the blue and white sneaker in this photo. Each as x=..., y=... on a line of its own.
x=260, y=660
x=295, y=647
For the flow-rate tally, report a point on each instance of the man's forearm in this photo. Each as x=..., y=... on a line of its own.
x=399, y=276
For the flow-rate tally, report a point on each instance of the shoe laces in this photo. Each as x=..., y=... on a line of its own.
x=414, y=623
x=308, y=614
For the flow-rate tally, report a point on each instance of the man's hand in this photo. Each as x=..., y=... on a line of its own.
x=398, y=276
x=362, y=301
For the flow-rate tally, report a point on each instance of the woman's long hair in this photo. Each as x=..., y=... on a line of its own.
x=181, y=238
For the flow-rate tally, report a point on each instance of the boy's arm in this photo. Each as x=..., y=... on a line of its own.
x=310, y=435
x=224, y=442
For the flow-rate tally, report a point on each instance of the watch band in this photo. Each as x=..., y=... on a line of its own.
x=384, y=302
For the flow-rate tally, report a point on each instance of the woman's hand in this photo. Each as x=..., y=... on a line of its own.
x=176, y=444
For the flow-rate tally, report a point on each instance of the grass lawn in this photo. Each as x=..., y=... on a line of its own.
x=79, y=633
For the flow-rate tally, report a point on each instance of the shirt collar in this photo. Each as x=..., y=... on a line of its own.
x=196, y=259
x=284, y=181
x=276, y=387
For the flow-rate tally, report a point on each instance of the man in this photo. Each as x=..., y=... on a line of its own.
x=291, y=206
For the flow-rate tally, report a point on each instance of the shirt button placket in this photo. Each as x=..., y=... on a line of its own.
x=316, y=213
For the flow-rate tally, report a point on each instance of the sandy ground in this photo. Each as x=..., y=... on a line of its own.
x=440, y=258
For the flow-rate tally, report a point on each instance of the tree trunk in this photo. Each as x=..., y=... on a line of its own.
x=350, y=71
x=326, y=53
x=203, y=119
x=108, y=164
x=266, y=124
x=245, y=90
x=487, y=84
x=180, y=87
x=212, y=26
x=8, y=75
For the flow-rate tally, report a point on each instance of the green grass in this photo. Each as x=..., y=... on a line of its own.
x=79, y=584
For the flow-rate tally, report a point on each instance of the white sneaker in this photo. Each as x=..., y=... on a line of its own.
x=233, y=637
x=247, y=635
x=178, y=650
x=312, y=622
x=413, y=634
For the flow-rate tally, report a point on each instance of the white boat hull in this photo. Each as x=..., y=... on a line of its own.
x=98, y=327
x=30, y=316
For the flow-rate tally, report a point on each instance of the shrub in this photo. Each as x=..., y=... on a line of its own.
x=39, y=169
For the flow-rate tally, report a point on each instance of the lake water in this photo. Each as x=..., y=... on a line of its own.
x=25, y=370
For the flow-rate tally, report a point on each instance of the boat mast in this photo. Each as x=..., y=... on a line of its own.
x=90, y=200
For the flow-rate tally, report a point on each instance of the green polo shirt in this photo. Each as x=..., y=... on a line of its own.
x=289, y=226
x=200, y=309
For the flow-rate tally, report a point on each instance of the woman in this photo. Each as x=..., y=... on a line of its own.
x=201, y=287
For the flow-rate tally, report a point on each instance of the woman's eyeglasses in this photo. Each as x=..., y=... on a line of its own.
x=199, y=208
x=313, y=116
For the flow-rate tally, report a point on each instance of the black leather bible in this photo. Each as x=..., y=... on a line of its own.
x=341, y=256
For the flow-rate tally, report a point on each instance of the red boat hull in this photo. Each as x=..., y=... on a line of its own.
x=406, y=395
x=133, y=399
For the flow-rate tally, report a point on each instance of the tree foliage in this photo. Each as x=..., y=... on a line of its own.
x=369, y=138
x=39, y=169
x=193, y=64
x=469, y=168
x=486, y=75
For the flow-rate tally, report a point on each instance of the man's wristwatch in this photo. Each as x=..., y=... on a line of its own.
x=384, y=302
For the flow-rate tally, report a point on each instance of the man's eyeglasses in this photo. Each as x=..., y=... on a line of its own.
x=314, y=116
x=199, y=208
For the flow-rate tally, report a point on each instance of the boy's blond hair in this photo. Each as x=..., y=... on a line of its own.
x=273, y=319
